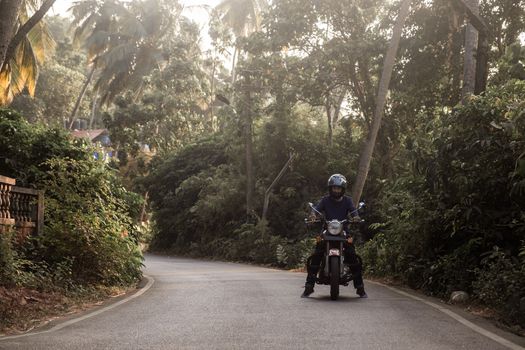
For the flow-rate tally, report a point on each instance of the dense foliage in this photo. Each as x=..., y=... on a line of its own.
x=455, y=221
x=90, y=236
x=198, y=196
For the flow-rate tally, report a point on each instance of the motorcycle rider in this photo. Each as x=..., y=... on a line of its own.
x=335, y=206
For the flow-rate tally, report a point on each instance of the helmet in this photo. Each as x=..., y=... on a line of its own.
x=339, y=181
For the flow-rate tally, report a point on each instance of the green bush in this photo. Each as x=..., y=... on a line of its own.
x=199, y=202
x=89, y=227
x=90, y=231
x=463, y=195
x=8, y=260
x=500, y=282
x=18, y=268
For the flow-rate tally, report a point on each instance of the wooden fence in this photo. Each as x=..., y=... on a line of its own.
x=21, y=208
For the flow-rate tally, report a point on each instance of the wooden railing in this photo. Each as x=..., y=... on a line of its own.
x=21, y=208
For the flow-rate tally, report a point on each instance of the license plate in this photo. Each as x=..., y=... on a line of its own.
x=334, y=252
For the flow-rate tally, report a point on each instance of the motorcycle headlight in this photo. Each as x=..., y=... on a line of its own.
x=335, y=228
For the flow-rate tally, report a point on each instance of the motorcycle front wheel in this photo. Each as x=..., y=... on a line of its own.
x=334, y=277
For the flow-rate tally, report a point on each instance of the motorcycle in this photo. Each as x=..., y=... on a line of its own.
x=333, y=271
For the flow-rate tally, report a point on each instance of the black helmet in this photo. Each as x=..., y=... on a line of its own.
x=337, y=180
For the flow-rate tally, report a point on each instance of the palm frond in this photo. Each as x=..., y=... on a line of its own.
x=115, y=8
x=25, y=63
x=132, y=27
x=83, y=28
x=97, y=42
x=242, y=16
x=41, y=41
x=83, y=9
x=118, y=54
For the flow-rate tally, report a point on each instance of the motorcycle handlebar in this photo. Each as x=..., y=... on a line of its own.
x=313, y=221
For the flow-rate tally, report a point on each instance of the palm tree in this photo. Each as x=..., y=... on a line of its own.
x=123, y=43
x=94, y=22
x=25, y=51
x=242, y=17
x=135, y=50
x=388, y=66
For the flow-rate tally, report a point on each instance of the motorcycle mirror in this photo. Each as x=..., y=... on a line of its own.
x=311, y=205
x=361, y=205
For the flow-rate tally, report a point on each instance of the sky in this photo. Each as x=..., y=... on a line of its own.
x=199, y=15
x=192, y=10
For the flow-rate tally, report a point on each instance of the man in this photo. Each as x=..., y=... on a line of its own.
x=336, y=206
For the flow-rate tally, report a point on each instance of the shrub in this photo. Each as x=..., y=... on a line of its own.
x=90, y=234
x=88, y=223
x=462, y=196
x=8, y=260
x=500, y=283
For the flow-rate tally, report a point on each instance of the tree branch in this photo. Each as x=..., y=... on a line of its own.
x=474, y=18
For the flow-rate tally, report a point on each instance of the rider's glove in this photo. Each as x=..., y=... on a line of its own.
x=355, y=219
x=312, y=217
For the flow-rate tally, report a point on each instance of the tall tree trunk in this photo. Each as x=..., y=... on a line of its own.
x=234, y=64
x=362, y=99
x=330, y=135
x=81, y=95
x=454, y=46
x=337, y=107
x=270, y=188
x=469, y=63
x=333, y=109
x=143, y=212
x=248, y=146
x=248, y=140
x=212, y=96
x=8, y=18
x=388, y=66
x=26, y=28
x=93, y=111
x=482, y=62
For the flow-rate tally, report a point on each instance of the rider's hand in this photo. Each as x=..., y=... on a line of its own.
x=350, y=240
x=355, y=219
x=312, y=217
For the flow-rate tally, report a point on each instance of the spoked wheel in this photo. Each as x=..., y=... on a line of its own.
x=334, y=278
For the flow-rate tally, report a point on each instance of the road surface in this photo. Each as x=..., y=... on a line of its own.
x=213, y=305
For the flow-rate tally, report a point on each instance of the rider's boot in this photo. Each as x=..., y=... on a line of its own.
x=308, y=289
x=360, y=290
x=310, y=280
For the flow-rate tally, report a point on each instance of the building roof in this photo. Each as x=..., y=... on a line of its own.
x=88, y=134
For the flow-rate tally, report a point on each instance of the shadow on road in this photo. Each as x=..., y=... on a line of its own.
x=341, y=299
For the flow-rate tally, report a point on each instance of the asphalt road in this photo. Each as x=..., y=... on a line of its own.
x=210, y=305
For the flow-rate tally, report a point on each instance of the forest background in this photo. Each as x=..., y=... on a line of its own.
x=202, y=131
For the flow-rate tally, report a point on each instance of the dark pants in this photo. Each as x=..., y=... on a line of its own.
x=350, y=257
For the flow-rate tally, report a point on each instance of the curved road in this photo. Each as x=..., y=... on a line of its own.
x=209, y=305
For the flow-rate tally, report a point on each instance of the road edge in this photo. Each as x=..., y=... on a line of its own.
x=480, y=330
x=62, y=325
